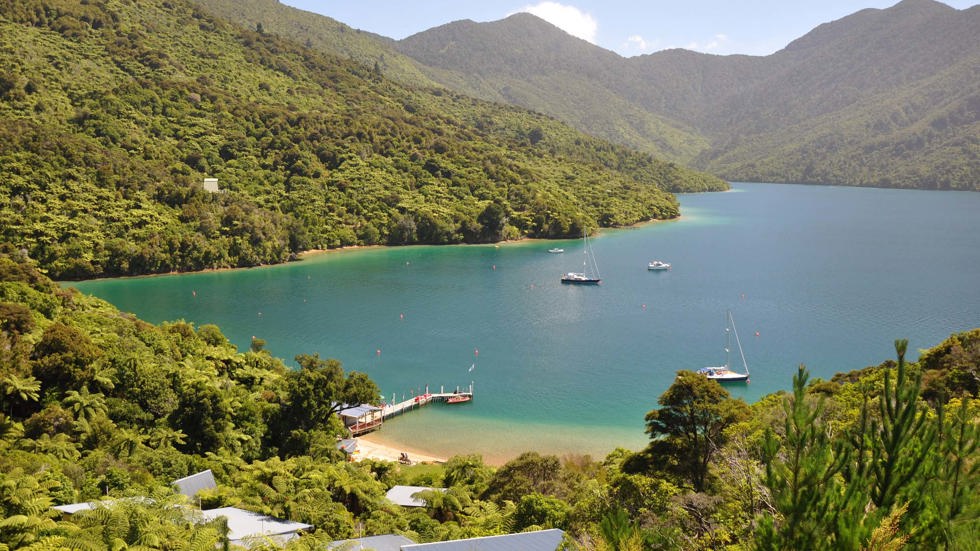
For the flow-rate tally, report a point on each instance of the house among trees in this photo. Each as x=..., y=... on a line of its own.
x=211, y=185
x=390, y=542
x=361, y=419
x=246, y=528
x=191, y=485
x=541, y=540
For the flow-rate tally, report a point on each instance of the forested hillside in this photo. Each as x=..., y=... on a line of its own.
x=112, y=114
x=97, y=404
x=879, y=98
x=882, y=97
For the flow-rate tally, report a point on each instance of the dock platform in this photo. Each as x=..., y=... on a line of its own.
x=373, y=419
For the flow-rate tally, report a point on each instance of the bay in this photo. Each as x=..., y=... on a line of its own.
x=824, y=276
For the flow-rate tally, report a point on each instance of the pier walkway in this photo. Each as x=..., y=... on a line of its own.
x=373, y=418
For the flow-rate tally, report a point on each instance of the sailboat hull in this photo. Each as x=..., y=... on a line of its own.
x=578, y=279
x=723, y=374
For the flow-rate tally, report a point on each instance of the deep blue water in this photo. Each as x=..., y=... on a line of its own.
x=827, y=276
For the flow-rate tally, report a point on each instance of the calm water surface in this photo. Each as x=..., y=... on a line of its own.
x=825, y=276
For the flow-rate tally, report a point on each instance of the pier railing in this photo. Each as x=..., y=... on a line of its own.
x=394, y=408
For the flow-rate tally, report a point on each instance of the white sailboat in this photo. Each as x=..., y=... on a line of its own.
x=590, y=270
x=724, y=374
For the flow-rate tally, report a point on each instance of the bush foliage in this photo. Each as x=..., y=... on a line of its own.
x=95, y=403
x=113, y=113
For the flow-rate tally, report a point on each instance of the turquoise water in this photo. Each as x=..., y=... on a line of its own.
x=827, y=276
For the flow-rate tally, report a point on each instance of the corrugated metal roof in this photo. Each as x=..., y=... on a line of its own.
x=542, y=540
x=73, y=508
x=374, y=543
x=402, y=495
x=191, y=485
x=246, y=524
x=358, y=411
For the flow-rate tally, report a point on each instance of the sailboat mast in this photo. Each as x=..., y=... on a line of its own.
x=728, y=341
x=738, y=342
x=595, y=265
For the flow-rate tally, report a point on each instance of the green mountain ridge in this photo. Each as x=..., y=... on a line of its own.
x=113, y=113
x=882, y=97
x=912, y=63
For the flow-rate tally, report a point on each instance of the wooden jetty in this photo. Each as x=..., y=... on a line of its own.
x=368, y=418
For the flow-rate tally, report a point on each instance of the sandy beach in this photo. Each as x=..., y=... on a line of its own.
x=369, y=446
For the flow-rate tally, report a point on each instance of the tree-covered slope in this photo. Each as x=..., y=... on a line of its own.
x=521, y=60
x=321, y=33
x=96, y=404
x=880, y=98
x=526, y=61
x=113, y=113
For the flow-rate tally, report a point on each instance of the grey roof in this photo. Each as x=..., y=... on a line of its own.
x=73, y=508
x=543, y=540
x=191, y=485
x=402, y=495
x=358, y=411
x=246, y=524
x=374, y=543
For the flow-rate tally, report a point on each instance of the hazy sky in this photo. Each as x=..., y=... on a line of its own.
x=628, y=27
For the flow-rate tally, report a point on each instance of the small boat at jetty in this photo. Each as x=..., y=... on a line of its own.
x=724, y=374
x=658, y=265
x=459, y=399
x=590, y=273
x=556, y=250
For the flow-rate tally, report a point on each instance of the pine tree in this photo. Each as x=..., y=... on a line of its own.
x=812, y=510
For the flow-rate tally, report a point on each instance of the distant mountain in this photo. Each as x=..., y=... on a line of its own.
x=113, y=114
x=882, y=97
x=526, y=61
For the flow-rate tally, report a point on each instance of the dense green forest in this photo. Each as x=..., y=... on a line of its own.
x=881, y=97
x=95, y=403
x=112, y=114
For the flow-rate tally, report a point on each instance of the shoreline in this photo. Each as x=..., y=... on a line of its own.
x=369, y=446
x=303, y=255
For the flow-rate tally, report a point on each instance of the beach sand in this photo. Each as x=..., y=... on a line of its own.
x=369, y=446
